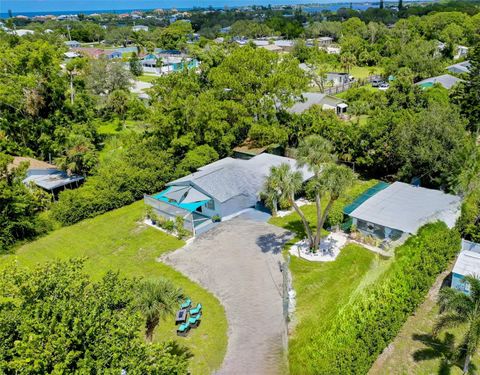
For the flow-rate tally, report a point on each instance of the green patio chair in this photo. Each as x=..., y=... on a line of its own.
x=196, y=310
x=194, y=321
x=186, y=304
x=183, y=329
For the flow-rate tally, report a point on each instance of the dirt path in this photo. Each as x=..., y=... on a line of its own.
x=238, y=261
x=397, y=358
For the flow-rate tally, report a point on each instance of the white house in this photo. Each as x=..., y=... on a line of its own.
x=462, y=51
x=138, y=28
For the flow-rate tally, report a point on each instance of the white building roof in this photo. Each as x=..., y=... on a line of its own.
x=467, y=264
x=406, y=208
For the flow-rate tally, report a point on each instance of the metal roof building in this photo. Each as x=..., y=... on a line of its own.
x=403, y=208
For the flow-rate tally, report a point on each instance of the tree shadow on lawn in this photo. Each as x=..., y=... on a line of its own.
x=272, y=242
x=444, y=350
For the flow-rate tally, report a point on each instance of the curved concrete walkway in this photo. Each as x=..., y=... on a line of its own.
x=238, y=261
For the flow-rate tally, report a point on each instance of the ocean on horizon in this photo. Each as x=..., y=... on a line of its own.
x=57, y=7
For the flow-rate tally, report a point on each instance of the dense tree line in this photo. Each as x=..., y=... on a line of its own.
x=55, y=319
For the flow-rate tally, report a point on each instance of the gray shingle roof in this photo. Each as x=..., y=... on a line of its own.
x=228, y=177
x=462, y=67
x=314, y=98
x=446, y=80
x=405, y=207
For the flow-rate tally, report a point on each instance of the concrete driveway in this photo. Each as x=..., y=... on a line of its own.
x=238, y=261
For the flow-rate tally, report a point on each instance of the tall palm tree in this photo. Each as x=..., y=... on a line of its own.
x=286, y=183
x=347, y=61
x=458, y=308
x=156, y=300
x=315, y=152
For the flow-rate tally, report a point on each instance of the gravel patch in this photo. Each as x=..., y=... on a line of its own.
x=239, y=262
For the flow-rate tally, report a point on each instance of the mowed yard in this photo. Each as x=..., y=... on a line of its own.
x=416, y=351
x=323, y=288
x=118, y=241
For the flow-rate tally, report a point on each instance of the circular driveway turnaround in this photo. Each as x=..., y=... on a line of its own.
x=239, y=262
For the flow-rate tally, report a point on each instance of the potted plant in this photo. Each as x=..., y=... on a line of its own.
x=216, y=219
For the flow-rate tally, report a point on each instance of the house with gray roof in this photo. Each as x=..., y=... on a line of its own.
x=462, y=67
x=46, y=176
x=401, y=208
x=326, y=102
x=220, y=189
x=446, y=80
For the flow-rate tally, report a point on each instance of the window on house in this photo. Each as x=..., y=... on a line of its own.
x=210, y=205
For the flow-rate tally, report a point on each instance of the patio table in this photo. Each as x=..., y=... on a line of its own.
x=181, y=316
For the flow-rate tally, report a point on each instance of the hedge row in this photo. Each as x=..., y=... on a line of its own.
x=363, y=328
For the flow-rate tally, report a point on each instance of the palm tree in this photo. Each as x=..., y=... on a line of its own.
x=347, y=60
x=332, y=183
x=156, y=300
x=286, y=183
x=458, y=308
x=329, y=180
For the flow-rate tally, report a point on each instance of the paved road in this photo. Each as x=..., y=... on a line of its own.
x=238, y=261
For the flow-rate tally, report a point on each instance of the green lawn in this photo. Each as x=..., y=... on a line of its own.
x=147, y=78
x=324, y=287
x=115, y=126
x=119, y=241
x=365, y=71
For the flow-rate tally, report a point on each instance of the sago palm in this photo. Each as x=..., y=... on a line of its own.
x=458, y=308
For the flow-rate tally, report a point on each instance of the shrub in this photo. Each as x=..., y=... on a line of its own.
x=168, y=225
x=363, y=328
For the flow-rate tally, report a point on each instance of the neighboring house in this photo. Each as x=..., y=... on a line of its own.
x=223, y=188
x=324, y=41
x=271, y=47
x=467, y=264
x=150, y=60
x=137, y=28
x=23, y=32
x=400, y=208
x=97, y=53
x=333, y=50
x=71, y=55
x=326, y=102
x=47, y=176
x=72, y=44
x=462, y=52
x=460, y=68
x=338, y=79
x=446, y=80
x=248, y=150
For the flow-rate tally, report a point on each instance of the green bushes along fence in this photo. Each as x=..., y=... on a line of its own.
x=364, y=327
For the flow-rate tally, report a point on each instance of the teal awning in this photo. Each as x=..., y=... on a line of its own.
x=186, y=204
x=365, y=196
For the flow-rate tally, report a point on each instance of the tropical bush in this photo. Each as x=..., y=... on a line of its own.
x=364, y=327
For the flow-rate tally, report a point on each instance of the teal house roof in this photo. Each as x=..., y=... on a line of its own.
x=364, y=197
